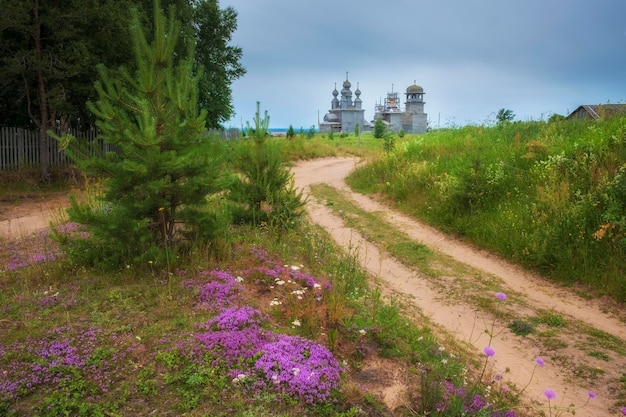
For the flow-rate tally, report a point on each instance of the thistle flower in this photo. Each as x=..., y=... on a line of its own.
x=489, y=351
x=501, y=296
x=550, y=394
x=539, y=361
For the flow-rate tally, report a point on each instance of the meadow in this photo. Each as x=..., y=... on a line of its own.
x=550, y=196
x=275, y=323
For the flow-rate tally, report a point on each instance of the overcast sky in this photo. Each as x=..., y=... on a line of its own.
x=472, y=57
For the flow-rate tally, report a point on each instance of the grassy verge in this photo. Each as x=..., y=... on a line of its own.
x=540, y=194
x=541, y=328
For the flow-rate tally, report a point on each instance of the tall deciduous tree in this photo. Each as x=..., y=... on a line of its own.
x=211, y=29
x=220, y=60
x=157, y=185
x=49, y=51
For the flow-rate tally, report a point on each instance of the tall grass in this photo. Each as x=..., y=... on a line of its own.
x=550, y=196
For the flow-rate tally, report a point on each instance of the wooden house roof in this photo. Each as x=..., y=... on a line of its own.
x=597, y=111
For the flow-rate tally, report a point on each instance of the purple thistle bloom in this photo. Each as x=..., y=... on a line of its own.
x=591, y=394
x=623, y=410
x=501, y=296
x=540, y=361
x=489, y=351
x=550, y=394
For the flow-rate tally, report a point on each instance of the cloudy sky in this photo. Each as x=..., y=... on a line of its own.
x=472, y=57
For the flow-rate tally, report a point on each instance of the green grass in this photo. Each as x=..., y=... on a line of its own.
x=546, y=328
x=134, y=326
x=548, y=196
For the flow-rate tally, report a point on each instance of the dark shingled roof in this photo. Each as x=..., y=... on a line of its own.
x=597, y=111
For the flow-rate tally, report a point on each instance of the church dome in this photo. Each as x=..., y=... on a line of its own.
x=414, y=89
x=346, y=84
x=331, y=117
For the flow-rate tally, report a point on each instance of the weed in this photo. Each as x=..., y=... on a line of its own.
x=549, y=318
x=521, y=327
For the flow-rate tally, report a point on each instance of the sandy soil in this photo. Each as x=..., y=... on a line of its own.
x=565, y=367
x=515, y=356
x=30, y=213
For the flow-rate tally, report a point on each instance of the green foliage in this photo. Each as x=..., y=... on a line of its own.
x=556, y=118
x=550, y=318
x=379, y=129
x=30, y=34
x=291, y=133
x=218, y=60
x=311, y=133
x=263, y=188
x=521, y=327
x=389, y=143
x=157, y=183
x=505, y=115
x=547, y=195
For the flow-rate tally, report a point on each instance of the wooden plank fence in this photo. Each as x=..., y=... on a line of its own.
x=19, y=148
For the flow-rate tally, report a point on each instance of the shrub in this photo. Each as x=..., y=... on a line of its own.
x=379, y=128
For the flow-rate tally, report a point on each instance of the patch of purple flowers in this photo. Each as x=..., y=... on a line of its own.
x=299, y=366
x=288, y=273
x=54, y=361
x=218, y=293
x=467, y=403
x=37, y=248
x=236, y=318
x=275, y=270
x=289, y=364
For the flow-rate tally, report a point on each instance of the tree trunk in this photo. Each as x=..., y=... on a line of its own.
x=44, y=150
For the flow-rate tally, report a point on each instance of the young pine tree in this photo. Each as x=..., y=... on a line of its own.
x=263, y=190
x=157, y=184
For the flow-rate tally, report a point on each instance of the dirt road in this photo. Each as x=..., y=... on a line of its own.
x=571, y=371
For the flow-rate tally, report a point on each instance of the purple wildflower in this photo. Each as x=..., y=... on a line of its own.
x=489, y=352
x=539, y=361
x=501, y=296
x=591, y=394
x=300, y=367
x=236, y=318
x=550, y=394
x=623, y=410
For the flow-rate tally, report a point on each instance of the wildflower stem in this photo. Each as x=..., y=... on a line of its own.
x=480, y=378
x=529, y=381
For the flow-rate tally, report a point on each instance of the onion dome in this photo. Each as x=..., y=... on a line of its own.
x=330, y=117
x=414, y=89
